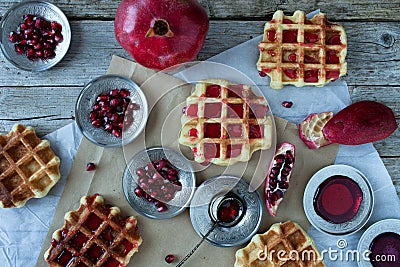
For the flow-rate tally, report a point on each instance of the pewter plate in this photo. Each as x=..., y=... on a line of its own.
x=87, y=98
x=384, y=226
x=364, y=211
x=13, y=18
x=186, y=177
x=226, y=236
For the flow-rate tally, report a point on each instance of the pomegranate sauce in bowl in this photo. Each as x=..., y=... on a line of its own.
x=338, y=199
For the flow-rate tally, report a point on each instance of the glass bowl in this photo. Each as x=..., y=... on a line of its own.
x=181, y=199
x=14, y=17
x=87, y=98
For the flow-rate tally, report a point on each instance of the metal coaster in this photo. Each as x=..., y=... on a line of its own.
x=364, y=211
x=245, y=228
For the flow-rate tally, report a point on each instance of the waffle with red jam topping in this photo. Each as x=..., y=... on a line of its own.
x=94, y=235
x=301, y=52
x=224, y=123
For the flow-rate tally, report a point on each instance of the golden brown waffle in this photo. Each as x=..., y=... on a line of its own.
x=225, y=123
x=284, y=244
x=302, y=52
x=94, y=235
x=28, y=167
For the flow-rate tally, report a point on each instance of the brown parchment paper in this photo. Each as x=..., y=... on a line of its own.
x=177, y=236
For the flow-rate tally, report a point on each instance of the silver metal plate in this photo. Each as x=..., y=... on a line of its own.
x=226, y=236
x=14, y=17
x=363, y=213
x=87, y=98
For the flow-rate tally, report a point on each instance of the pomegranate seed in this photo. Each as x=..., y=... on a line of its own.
x=139, y=192
x=24, y=26
x=134, y=106
x=169, y=258
x=117, y=133
x=291, y=73
x=124, y=93
x=162, y=208
x=114, y=92
x=19, y=49
x=108, y=127
x=14, y=37
x=58, y=37
x=262, y=74
x=114, y=102
x=292, y=57
x=97, y=123
x=192, y=132
x=56, y=26
x=90, y=166
x=287, y=104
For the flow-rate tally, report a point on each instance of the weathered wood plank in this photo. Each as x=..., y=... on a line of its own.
x=373, y=57
x=392, y=165
x=249, y=9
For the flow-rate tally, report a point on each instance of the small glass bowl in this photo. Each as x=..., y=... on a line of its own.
x=202, y=204
x=364, y=212
x=86, y=99
x=186, y=176
x=13, y=18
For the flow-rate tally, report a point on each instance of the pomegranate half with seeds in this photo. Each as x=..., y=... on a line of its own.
x=278, y=176
x=360, y=123
x=161, y=33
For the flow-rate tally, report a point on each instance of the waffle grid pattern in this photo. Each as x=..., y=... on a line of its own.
x=303, y=61
x=287, y=237
x=28, y=167
x=240, y=134
x=94, y=235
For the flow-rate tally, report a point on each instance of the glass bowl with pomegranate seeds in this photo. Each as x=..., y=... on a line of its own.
x=111, y=111
x=35, y=35
x=159, y=182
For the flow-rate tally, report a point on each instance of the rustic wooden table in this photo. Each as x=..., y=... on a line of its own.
x=46, y=100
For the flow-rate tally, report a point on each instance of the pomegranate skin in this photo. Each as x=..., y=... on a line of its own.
x=360, y=123
x=187, y=23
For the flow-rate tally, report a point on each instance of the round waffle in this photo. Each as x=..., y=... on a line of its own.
x=94, y=235
x=284, y=244
x=302, y=52
x=28, y=167
x=225, y=123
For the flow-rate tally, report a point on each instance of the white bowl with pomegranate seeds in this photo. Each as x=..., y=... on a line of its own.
x=35, y=35
x=111, y=111
x=159, y=182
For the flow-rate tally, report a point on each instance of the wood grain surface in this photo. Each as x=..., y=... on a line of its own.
x=46, y=100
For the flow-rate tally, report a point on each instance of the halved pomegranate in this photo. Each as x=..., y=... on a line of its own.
x=310, y=130
x=277, y=180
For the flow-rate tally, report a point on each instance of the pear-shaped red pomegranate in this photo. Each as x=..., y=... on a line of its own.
x=161, y=33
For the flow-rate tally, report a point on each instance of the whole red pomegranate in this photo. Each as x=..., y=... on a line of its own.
x=161, y=33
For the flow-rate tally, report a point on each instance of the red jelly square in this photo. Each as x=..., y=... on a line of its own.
x=212, y=130
x=311, y=76
x=94, y=253
x=233, y=151
x=64, y=258
x=78, y=240
x=212, y=110
x=234, y=130
x=235, y=91
x=257, y=111
x=332, y=74
x=191, y=110
x=235, y=111
x=128, y=246
x=81, y=264
x=211, y=150
x=290, y=36
x=213, y=90
x=107, y=235
x=256, y=131
x=111, y=262
x=93, y=222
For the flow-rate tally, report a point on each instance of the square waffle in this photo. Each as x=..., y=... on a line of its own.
x=302, y=52
x=28, y=167
x=225, y=123
x=94, y=235
x=284, y=244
